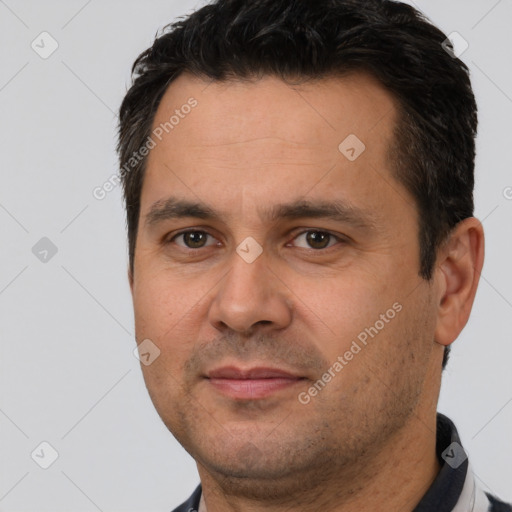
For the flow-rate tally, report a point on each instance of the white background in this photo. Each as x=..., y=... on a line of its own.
x=67, y=372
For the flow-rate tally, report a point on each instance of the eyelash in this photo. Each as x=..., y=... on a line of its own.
x=325, y=232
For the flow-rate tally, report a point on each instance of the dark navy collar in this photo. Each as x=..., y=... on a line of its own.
x=445, y=491
x=192, y=504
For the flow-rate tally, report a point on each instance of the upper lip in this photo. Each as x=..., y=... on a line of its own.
x=260, y=372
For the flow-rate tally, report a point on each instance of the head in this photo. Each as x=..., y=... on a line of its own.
x=333, y=142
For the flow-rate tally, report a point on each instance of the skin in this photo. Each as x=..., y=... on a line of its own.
x=366, y=441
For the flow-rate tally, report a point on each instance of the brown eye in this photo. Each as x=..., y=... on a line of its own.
x=192, y=239
x=317, y=239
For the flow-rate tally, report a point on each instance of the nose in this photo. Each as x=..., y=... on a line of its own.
x=250, y=294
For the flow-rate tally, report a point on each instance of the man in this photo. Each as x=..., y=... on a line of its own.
x=299, y=183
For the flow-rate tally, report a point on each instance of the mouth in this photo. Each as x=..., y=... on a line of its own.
x=251, y=383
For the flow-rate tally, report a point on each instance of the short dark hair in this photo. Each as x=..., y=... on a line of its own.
x=433, y=150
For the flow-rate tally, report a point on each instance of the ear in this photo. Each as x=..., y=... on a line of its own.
x=458, y=269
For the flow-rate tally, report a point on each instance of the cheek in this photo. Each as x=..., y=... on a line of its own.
x=152, y=307
x=170, y=312
x=159, y=301
x=400, y=354
x=340, y=308
x=160, y=316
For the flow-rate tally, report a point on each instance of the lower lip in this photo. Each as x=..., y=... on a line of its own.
x=251, y=388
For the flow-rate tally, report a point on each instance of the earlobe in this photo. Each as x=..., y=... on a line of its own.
x=458, y=273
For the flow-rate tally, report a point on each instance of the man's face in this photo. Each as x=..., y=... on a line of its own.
x=262, y=285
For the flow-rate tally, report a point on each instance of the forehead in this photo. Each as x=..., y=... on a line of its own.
x=276, y=142
x=228, y=111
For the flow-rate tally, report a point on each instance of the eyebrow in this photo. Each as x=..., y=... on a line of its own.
x=340, y=211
